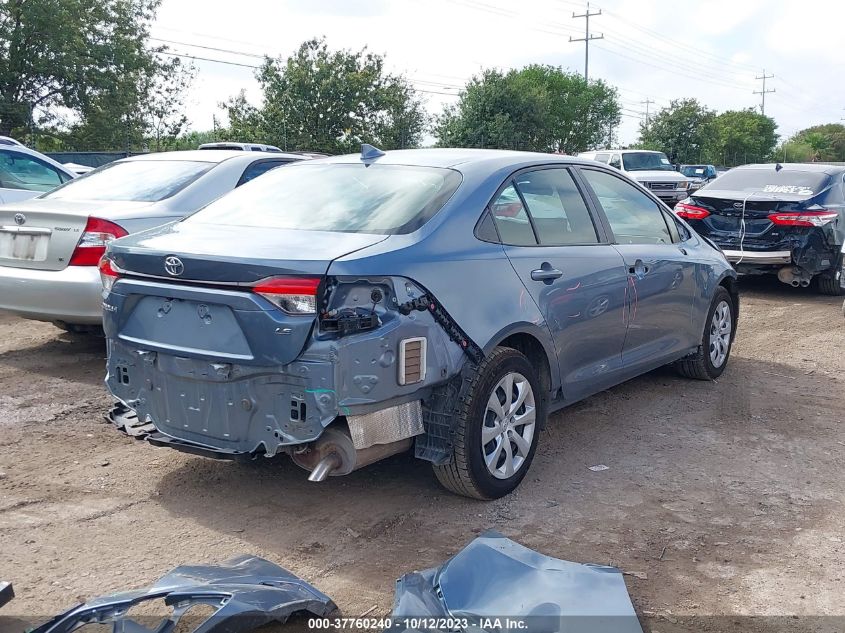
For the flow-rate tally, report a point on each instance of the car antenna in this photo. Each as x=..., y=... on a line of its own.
x=370, y=152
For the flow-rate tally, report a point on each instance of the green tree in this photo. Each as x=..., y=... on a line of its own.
x=538, y=108
x=683, y=131
x=742, y=136
x=329, y=101
x=819, y=142
x=84, y=67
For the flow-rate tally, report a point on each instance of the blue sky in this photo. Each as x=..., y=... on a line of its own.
x=652, y=49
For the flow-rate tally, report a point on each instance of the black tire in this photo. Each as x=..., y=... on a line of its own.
x=467, y=474
x=699, y=366
x=831, y=283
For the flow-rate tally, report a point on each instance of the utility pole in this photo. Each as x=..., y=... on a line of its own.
x=587, y=37
x=647, y=103
x=763, y=92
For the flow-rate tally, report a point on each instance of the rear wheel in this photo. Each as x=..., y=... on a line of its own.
x=831, y=283
x=712, y=356
x=496, y=428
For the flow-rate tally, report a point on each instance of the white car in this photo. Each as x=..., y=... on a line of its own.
x=25, y=173
x=50, y=246
x=649, y=168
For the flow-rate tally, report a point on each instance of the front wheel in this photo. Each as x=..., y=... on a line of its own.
x=497, y=424
x=710, y=360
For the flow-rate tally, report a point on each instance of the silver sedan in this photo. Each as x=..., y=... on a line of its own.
x=50, y=246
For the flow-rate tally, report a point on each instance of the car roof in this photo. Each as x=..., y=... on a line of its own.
x=210, y=155
x=455, y=157
x=819, y=168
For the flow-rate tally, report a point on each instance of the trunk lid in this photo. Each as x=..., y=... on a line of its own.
x=41, y=234
x=209, y=310
x=218, y=254
x=725, y=222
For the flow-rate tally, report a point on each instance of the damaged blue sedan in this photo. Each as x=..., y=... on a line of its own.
x=346, y=309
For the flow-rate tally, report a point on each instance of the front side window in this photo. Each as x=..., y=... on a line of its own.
x=557, y=209
x=348, y=198
x=20, y=171
x=633, y=216
x=134, y=180
x=616, y=161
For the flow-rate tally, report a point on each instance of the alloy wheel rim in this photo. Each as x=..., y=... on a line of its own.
x=510, y=420
x=720, y=334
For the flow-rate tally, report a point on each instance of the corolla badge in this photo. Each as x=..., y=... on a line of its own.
x=20, y=219
x=173, y=265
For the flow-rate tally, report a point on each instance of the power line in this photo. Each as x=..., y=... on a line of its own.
x=228, y=63
x=763, y=92
x=207, y=59
x=209, y=48
x=587, y=37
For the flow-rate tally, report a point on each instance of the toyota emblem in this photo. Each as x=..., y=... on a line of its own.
x=173, y=265
x=20, y=218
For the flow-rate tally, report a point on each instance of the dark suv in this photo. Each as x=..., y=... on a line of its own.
x=787, y=219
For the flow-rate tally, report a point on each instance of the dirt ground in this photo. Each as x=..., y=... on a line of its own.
x=723, y=498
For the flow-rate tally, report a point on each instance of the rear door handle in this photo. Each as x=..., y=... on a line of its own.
x=546, y=274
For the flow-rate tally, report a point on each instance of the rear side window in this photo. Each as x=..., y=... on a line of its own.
x=789, y=182
x=257, y=169
x=19, y=171
x=633, y=216
x=559, y=212
x=348, y=198
x=512, y=218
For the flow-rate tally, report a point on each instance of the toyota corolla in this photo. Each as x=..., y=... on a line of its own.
x=441, y=301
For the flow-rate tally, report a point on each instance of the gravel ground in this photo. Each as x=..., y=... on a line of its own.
x=721, y=498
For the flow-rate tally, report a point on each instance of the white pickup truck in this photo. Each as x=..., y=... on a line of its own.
x=649, y=168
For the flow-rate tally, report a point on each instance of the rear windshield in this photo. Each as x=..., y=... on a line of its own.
x=770, y=181
x=385, y=199
x=135, y=180
x=646, y=161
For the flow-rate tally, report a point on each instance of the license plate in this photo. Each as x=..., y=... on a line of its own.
x=26, y=245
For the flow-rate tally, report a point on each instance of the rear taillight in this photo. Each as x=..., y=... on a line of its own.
x=92, y=244
x=294, y=295
x=804, y=218
x=108, y=273
x=690, y=211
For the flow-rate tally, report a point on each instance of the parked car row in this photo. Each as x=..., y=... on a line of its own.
x=344, y=309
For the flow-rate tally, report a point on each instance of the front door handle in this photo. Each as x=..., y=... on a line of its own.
x=640, y=269
x=546, y=273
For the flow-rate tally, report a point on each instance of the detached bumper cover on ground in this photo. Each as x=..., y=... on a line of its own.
x=246, y=592
x=497, y=584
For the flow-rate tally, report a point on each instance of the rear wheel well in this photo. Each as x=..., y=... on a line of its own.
x=534, y=351
x=730, y=284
